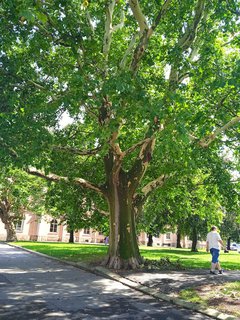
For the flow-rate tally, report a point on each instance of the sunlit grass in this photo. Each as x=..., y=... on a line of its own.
x=67, y=251
x=201, y=259
x=191, y=295
x=94, y=252
x=232, y=288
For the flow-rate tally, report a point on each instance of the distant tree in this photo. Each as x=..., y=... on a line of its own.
x=64, y=202
x=230, y=228
x=18, y=192
x=193, y=205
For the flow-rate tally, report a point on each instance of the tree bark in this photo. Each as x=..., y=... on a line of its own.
x=179, y=239
x=123, y=247
x=7, y=220
x=228, y=243
x=11, y=233
x=71, y=236
x=150, y=240
x=194, y=240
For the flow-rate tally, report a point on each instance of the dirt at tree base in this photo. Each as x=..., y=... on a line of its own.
x=217, y=299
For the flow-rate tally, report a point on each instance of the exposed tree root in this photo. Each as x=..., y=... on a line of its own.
x=118, y=263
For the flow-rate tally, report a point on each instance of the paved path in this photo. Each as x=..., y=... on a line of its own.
x=172, y=282
x=33, y=287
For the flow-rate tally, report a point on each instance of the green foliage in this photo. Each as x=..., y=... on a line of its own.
x=22, y=192
x=177, y=83
x=76, y=207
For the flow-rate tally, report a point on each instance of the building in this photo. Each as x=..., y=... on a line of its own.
x=47, y=228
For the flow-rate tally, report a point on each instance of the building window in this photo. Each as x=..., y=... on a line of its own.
x=19, y=226
x=53, y=225
x=168, y=236
x=86, y=231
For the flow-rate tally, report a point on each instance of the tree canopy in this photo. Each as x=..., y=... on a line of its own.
x=150, y=88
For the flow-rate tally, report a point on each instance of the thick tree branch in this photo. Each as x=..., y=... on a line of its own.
x=139, y=16
x=205, y=142
x=141, y=164
x=121, y=24
x=187, y=39
x=161, y=14
x=151, y=186
x=117, y=154
x=109, y=28
x=134, y=147
x=145, y=155
x=128, y=51
x=103, y=212
x=55, y=178
x=140, y=199
x=145, y=31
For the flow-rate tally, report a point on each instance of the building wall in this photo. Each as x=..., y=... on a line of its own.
x=28, y=231
x=36, y=228
x=3, y=233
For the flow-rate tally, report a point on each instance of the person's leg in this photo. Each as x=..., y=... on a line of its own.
x=213, y=266
x=215, y=263
x=218, y=266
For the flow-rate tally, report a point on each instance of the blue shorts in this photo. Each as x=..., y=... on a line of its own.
x=215, y=254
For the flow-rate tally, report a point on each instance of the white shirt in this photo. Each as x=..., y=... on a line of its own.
x=212, y=239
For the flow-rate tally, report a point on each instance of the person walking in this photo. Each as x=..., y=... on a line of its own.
x=214, y=243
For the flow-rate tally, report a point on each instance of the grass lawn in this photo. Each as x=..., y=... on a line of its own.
x=92, y=252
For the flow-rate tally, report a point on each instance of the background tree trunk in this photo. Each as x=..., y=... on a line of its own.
x=228, y=243
x=71, y=236
x=179, y=239
x=150, y=240
x=194, y=240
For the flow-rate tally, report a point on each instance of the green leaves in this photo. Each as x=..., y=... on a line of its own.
x=52, y=63
x=23, y=192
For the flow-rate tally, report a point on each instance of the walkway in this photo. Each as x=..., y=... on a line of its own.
x=33, y=287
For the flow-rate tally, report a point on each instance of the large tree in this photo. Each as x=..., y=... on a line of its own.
x=148, y=87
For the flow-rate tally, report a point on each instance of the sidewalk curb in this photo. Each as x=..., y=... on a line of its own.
x=136, y=286
x=156, y=294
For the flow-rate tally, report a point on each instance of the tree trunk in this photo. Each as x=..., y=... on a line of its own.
x=194, y=240
x=179, y=239
x=123, y=250
x=150, y=240
x=228, y=243
x=71, y=236
x=7, y=220
x=11, y=233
